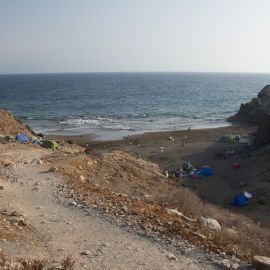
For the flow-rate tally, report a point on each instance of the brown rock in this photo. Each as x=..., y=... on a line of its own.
x=82, y=178
x=53, y=169
x=261, y=263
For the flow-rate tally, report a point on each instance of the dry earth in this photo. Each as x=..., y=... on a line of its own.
x=10, y=126
x=59, y=229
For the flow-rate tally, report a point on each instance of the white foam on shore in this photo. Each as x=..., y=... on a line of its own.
x=109, y=129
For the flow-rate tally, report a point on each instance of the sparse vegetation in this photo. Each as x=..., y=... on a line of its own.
x=27, y=264
x=122, y=184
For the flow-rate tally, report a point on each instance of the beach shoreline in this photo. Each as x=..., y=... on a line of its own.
x=92, y=139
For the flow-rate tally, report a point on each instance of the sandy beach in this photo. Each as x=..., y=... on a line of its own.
x=201, y=147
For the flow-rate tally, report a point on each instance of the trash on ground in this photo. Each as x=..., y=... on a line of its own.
x=196, y=174
x=188, y=170
x=200, y=173
x=245, y=141
x=236, y=166
x=187, y=167
x=178, y=174
x=247, y=195
x=232, y=138
x=37, y=141
x=10, y=138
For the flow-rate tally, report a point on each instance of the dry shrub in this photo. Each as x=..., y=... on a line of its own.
x=239, y=232
x=26, y=264
x=184, y=200
x=68, y=264
x=33, y=265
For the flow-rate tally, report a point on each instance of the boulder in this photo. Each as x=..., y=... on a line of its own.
x=261, y=263
x=211, y=223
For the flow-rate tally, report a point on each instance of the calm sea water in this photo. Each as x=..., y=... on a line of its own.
x=111, y=105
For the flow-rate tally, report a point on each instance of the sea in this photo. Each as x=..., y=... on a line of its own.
x=113, y=105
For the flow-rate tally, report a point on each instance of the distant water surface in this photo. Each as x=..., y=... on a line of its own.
x=112, y=105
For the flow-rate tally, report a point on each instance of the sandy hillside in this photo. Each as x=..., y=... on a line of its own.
x=10, y=126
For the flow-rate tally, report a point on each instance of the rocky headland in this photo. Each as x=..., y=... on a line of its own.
x=257, y=113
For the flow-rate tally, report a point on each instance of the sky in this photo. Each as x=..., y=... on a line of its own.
x=38, y=36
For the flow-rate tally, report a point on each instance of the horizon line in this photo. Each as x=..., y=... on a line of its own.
x=138, y=72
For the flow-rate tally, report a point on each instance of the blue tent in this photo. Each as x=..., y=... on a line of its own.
x=207, y=171
x=22, y=137
x=239, y=200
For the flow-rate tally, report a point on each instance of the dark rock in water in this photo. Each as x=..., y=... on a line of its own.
x=254, y=111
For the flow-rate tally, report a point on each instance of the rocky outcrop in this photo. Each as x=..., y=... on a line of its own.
x=10, y=126
x=254, y=111
x=263, y=132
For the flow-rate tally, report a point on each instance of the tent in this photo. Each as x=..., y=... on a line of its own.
x=50, y=144
x=20, y=137
x=240, y=200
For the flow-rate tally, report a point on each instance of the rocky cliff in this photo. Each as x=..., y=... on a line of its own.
x=256, y=112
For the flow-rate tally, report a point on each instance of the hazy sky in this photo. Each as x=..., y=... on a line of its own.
x=134, y=35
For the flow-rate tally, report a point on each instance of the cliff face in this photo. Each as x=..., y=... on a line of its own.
x=10, y=126
x=256, y=112
x=263, y=133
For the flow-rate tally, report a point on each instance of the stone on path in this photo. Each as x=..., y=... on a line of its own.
x=261, y=263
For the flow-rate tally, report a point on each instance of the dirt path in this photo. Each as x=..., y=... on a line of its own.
x=92, y=242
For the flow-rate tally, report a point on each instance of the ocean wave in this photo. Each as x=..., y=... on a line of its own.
x=98, y=122
x=79, y=121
